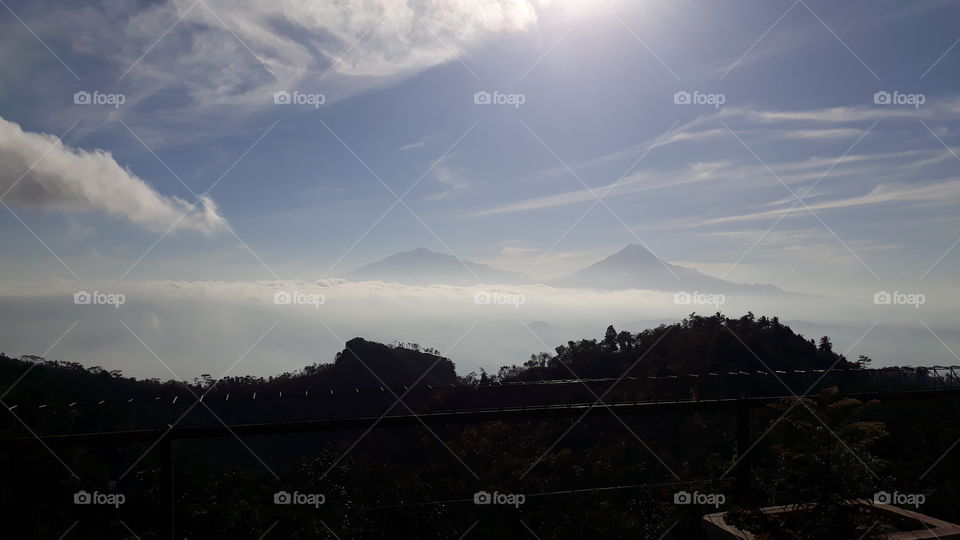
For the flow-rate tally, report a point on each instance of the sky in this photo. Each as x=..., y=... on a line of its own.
x=222, y=147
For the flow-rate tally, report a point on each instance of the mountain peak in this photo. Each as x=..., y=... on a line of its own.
x=420, y=254
x=423, y=266
x=420, y=251
x=636, y=267
x=633, y=253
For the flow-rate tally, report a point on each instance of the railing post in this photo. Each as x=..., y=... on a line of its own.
x=167, y=506
x=744, y=472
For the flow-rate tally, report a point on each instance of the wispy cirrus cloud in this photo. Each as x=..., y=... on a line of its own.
x=450, y=179
x=411, y=146
x=798, y=128
x=941, y=193
x=634, y=183
x=230, y=52
x=939, y=109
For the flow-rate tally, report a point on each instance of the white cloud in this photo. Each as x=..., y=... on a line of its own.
x=634, y=183
x=447, y=176
x=941, y=193
x=241, y=51
x=838, y=115
x=742, y=171
x=822, y=133
x=204, y=327
x=37, y=169
x=411, y=146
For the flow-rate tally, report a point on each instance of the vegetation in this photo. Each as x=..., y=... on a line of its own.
x=603, y=476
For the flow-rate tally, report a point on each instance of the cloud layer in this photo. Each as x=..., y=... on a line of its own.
x=205, y=326
x=38, y=170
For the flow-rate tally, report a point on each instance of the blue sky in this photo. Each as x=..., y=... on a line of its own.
x=303, y=192
x=597, y=84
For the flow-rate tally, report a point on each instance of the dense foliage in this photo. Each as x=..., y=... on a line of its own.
x=602, y=476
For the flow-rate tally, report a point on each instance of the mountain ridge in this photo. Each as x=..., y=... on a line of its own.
x=422, y=266
x=632, y=267
x=625, y=268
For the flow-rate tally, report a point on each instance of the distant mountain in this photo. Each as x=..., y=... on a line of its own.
x=422, y=266
x=635, y=267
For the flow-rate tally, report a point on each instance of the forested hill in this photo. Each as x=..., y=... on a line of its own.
x=39, y=381
x=697, y=344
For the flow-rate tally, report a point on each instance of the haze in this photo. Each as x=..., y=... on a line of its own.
x=201, y=158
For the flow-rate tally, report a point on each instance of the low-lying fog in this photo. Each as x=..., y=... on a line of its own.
x=264, y=328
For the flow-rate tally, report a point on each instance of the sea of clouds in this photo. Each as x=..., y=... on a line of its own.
x=171, y=329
